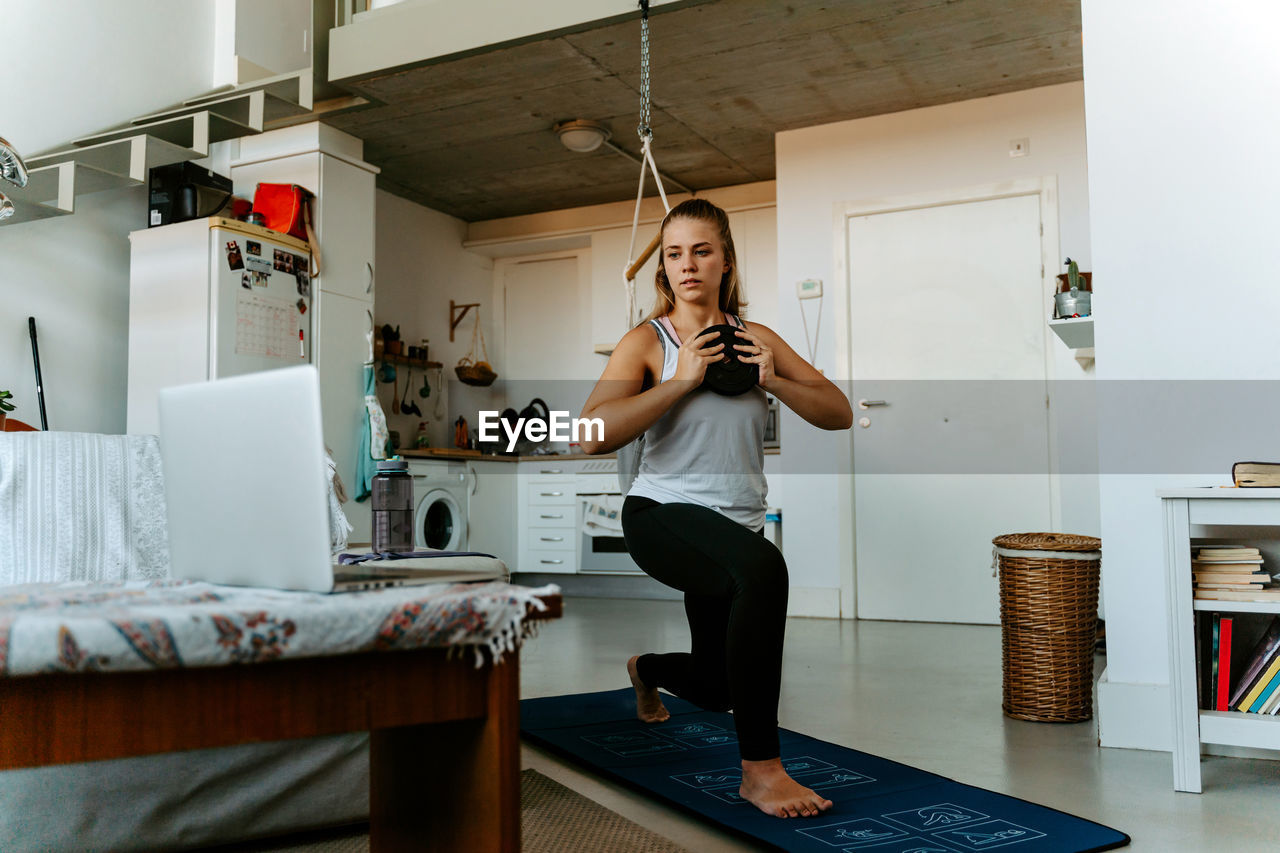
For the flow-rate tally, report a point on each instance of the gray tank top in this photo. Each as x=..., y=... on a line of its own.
x=707, y=449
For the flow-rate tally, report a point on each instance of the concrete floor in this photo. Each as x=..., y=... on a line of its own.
x=924, y=694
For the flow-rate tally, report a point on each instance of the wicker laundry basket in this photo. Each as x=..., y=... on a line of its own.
x=1048, y=621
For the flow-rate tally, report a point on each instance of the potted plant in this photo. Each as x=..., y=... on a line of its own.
x=1075, y=291
x=5, y=407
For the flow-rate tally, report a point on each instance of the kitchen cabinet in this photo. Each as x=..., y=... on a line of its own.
x=492, y=508
x=547, y=519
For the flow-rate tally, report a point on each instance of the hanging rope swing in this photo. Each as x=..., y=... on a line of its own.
x=645, y=132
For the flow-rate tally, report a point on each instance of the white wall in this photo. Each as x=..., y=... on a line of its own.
x=72, y=273
x=1179, y=97
x=85, y=67
x=421, y=265
x=938, y=148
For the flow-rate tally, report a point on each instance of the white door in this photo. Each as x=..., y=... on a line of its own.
x=947, y=329
x=542, y=332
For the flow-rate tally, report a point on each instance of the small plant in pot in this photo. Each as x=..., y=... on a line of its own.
x=5, y=407
x=1075, y=292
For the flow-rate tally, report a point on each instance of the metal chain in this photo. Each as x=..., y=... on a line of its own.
x=643, y=130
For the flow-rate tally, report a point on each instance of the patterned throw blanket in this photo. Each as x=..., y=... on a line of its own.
x=79, y=626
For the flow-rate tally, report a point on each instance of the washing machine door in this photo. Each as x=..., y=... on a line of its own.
x=439, y=522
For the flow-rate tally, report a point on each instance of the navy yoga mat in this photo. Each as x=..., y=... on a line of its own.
x=881, y=806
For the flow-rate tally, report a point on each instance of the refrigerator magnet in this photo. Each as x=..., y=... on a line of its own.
x=304, y=284
x=253, y=247
x=234, y=259
x=302, y=306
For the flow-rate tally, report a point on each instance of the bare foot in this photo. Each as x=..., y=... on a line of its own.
x=649, y=707
x=768, y=787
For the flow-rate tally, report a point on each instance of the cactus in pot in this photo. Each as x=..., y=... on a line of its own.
x=1075, y=300
x=5, y=407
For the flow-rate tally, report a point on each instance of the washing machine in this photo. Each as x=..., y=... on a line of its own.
x=441, y=494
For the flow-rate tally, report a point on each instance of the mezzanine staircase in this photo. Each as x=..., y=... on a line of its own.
x=122, y=156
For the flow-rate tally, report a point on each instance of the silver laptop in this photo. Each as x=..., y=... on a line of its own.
x=247, y=494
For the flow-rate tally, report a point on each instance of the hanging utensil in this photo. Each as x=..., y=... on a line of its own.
x=425, y=391
x=395, y=394
x=408, y=406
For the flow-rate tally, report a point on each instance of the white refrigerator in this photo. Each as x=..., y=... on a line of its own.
x=212, y=298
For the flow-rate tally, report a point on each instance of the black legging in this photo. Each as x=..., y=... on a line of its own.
x=735, y=586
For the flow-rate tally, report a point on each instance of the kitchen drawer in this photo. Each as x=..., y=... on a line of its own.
x=564, y=561
x=552, y=516
x=552, y=538
x=597, y=484
x=551, y=472
x=551, y=494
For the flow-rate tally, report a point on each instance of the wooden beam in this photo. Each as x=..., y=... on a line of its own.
x=644, y=256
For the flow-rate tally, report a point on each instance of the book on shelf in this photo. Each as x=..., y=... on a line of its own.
x=1222, y=690
x=1232, y=577
x=1256, y=475
x=1270, y=594
x=1211, y=700
x=1260, y=684
x=1258, y=658
x=1226, y=587
x=1272, y=705
x=1220, y=553
x=1265, y=696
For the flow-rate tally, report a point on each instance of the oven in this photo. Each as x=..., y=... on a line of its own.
x=601, y=553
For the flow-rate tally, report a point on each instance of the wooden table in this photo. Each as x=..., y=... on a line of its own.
x=444, y=751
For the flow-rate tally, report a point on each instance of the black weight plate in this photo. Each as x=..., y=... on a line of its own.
x=730, y=377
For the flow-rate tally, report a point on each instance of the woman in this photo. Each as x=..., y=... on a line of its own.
x=694, y=516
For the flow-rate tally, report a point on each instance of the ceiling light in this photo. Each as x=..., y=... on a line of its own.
x=582, y=135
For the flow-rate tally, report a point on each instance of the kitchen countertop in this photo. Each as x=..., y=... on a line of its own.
x=433, y=453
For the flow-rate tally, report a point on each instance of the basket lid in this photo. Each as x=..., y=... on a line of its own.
x=1047, y=542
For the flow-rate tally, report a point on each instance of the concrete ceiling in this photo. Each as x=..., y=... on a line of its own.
x=472, y=136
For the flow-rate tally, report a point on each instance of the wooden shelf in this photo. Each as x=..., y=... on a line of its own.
x=1221, y=606
x=411, y=362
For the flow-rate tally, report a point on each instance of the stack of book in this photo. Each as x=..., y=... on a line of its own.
x=1256, y=689
x=1231, y=574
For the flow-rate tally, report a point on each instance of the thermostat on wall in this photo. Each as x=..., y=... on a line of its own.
x=810, y=288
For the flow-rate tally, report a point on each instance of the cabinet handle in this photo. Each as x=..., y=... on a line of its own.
x=550, y=494
x=551, y=471
x=551, y=538
x=553, y=562
x=544, y=515
x=369, y=287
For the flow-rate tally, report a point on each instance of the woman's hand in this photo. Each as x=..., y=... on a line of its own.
x=756, y=351
x=691, y=366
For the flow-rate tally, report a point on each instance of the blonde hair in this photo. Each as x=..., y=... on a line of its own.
x=731, y=301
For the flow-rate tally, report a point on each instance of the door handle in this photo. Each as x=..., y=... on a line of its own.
x=553, y=562
x=544, y=515
x=551, y=538
x=368, y=287
x=866, y=404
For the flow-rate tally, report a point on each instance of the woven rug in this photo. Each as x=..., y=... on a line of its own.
x=553, y=819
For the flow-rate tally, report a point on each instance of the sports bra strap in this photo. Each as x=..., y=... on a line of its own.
x=665, y=322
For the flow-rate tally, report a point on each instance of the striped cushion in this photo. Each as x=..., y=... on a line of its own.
x=81, y=506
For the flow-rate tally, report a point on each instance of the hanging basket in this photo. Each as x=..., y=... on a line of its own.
x=470, y=371
x=475, y=372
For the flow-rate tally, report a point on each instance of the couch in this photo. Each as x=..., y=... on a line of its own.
x=77, y=506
